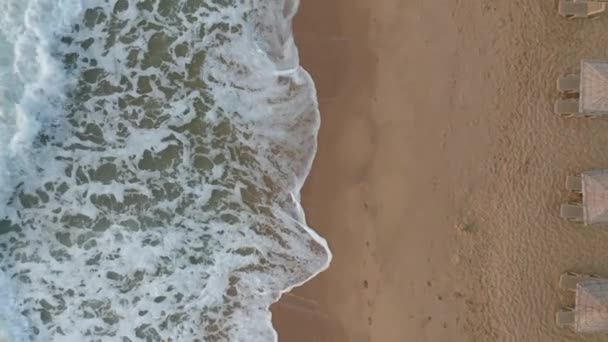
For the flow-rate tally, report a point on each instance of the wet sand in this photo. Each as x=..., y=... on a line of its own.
x=440, y=170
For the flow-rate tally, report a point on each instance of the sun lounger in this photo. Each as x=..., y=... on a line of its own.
x=566, y=107
x=565, y=318
x=574, y=184
x=569, y=83
x=580, y=9
x=569, y=280
x=571, y=212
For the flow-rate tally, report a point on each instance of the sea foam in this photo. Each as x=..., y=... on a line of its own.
x=151, y=158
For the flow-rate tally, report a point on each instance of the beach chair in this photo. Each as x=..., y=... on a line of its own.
x=574, y=184
x=569, y=83
x=571, y=212
x=580, y=9
x=565, y=318
x=569, y=280
x=566, y=107
x=574, y=212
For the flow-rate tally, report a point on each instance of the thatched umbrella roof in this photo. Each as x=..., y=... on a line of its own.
x=594, y=87
x=591, y=311
x=595, y=197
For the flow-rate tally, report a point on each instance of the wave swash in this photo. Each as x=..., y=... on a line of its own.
x=151, y=158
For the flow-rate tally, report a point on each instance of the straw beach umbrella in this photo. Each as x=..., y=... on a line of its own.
x=594, y=87
x=595, y=196
x=591, y=310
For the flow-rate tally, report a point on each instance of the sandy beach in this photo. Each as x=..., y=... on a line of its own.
x=440, y=169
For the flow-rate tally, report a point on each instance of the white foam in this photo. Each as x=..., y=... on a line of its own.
x=12, y=326
x=32, y=81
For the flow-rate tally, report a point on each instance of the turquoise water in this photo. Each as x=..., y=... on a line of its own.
x=151, y=158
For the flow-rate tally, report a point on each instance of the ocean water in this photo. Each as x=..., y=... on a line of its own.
x=151, y=158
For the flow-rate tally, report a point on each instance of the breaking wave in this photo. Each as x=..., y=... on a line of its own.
x=151, y=158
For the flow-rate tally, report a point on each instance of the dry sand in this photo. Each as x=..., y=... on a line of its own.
x=440, y=169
